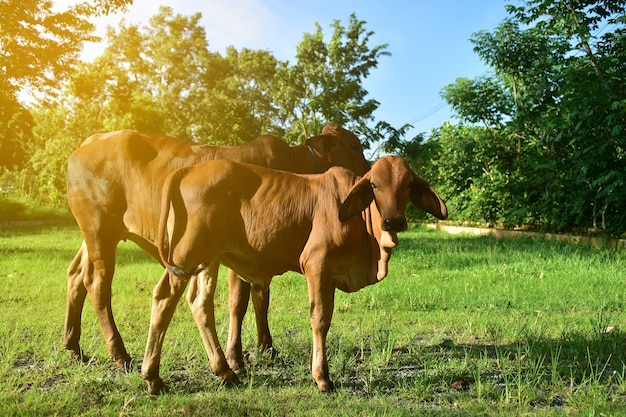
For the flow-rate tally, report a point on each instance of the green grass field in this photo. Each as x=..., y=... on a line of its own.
x=462, y=325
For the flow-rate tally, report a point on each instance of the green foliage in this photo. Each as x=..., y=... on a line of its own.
x=38, y=47
x=16, y=125
x=149, y=78
x=473, y=177
x=482, y=100
x=556, y=99
x=527, y=61
x=38, y=44
x=161, y=77
x=101, y=7
x=325, y=83
x=239, y=107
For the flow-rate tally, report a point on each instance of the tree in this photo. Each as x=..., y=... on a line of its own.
x=101, y=7
x=148, y=78
x=325, y=84
x=162, y=78
x=584, y=127
x=576, y=20
x=389, y=139
x=37, y=48
x=483, y=100
x=556, y=96
x=473, y=171
x=238, y=106
x=16, y=125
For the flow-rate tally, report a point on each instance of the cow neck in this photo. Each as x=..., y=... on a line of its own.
x=305, y=160
x=317, y=163
x=386, y=240
x=204, y=152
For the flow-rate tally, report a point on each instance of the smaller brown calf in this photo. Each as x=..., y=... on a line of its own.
x=335, y=228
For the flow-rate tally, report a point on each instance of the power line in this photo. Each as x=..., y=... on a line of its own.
x=428, y=113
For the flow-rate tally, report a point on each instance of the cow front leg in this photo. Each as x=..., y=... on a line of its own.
x=76, y=294
x=321, y=302
x=164, y=300
x=201, y=300
x=238, y=296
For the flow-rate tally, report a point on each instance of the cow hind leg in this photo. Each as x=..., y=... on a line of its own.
x=238, y=296
x=165, y=297
x=201, y=300
x=261, y=302
x=86, y=276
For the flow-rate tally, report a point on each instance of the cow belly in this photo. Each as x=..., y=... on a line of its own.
x=257, y=271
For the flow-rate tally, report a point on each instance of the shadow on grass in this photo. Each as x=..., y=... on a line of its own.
x=575, y=361
x=18, y=210
x=536, y=371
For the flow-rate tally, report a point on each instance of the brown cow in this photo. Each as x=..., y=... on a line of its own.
x=262, y=223
x=114, y=189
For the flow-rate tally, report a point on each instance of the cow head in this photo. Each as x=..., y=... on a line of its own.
x=336, y=146
x=391, y=184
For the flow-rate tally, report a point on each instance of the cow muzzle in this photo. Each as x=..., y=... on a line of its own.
x=388, y=241
x=395, y=224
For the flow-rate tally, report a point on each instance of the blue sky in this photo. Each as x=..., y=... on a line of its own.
x=428, y=40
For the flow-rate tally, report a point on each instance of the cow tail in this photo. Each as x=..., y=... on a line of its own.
x=171, y=184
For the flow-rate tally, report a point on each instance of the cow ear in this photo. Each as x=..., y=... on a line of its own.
x=323, y=143
x=424, y=196
x=360, y=196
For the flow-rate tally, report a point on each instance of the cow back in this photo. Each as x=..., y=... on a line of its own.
x=117, y=177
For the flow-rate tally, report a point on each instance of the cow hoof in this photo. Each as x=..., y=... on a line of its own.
x=157, y=387
x=236, y=363
x=125, y=363
x=271, y=352
x=229, y=378
x=79, y=356
x=327, y=387
x=240, y=371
